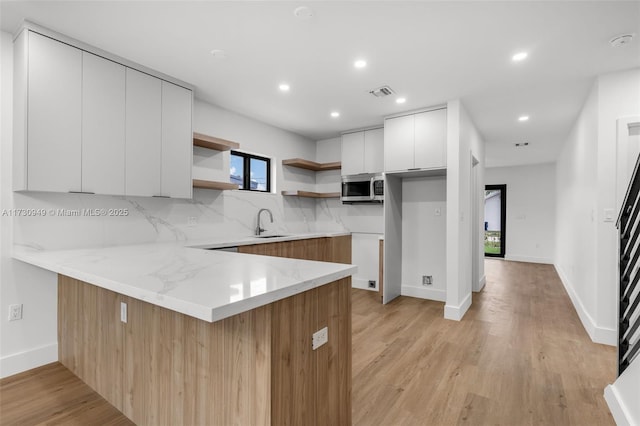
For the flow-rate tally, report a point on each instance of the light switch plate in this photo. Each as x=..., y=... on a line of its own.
x=319, y=338
x=608, y=215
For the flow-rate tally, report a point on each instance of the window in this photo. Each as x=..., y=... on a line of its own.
x=250, y=172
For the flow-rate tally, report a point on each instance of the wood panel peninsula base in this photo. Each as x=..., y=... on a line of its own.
x=162, y=367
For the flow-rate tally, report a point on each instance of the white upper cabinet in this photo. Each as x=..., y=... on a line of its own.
x=362, y=152
x=54, y=110
x=416, y=141
x=431, y=139
x=103, y=125
x=177, y=146
x=87, y=123
x=398, y=143
x=374, y=151
x=143, y=134
x=353, y=153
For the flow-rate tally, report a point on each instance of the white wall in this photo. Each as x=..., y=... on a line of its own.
x=463, y=142
x=586, y=250
x=619, y=96
x=424, y=238
x=531, y=210
x=33, y=341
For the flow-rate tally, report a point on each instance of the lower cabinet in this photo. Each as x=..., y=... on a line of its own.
x=329, y=249
x=255, y=368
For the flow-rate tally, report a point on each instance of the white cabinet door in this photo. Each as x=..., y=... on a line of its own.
x=374, y=151
x=103, y=125
x=143, y=134
x=431, y=139
x=54, y=104
x=352, y=153
x=398, y=143
x=177, y=141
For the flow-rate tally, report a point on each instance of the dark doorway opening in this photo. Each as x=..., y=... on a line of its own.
x=495, y=220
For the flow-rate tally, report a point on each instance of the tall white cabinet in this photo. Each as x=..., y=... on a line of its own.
x=84, y=122
x=103, y=125
x=144, y=126
x=54, y=109
x=416, y=141
x=175, y=170
x=363, y=152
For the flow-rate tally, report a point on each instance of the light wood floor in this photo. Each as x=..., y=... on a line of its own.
x=519, y=357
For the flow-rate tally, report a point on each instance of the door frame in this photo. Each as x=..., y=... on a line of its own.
x=503, y=219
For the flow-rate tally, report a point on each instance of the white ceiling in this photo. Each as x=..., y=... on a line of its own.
x=429, y=52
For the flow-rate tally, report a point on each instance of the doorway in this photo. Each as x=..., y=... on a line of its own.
x=495, y=215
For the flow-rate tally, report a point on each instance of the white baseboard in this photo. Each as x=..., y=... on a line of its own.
x=456, y=313
x=362, y=284
x=602, y=335
x=528, y=259
x=616, y=406
x=23, y=361
x=480, y=284
x=424, y=293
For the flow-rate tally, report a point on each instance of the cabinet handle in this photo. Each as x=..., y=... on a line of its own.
x=161, y=196
x=82, y=192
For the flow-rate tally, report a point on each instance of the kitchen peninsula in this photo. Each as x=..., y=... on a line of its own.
x=170, y=334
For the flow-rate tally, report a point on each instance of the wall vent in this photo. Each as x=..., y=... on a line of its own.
x=381, y=92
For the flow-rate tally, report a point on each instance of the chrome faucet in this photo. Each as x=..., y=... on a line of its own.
x=259, y=229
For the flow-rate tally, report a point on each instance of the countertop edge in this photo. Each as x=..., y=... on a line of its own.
x=205, y=313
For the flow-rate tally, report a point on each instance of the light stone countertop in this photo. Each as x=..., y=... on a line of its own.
x=205, y=284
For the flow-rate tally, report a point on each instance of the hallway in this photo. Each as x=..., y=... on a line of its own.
x=520, y=356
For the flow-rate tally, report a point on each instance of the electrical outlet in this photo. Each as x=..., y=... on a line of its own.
x=427, y=279
x=123, y=312
x=192, y=221
x=372, y=284
x=15, y=312
x=319, y=338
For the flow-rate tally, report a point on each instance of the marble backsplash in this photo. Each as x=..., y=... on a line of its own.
x=80, y=220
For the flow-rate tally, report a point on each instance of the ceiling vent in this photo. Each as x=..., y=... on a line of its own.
x=520, y=144
x=381, y=92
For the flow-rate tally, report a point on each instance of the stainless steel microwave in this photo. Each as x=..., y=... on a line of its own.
x=363, y=188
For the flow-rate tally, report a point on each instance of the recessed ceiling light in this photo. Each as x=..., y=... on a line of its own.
x=284, y=87
x=303, y=12
x=520, y=56
x=335, y=114
x=219, y=54
x=360, y=63
x=523, y=118
x=401, y=100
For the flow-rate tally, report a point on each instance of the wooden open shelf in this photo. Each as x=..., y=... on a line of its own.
x=309, y=194
x=211, y=142
x=311, y=165
x=211, y=184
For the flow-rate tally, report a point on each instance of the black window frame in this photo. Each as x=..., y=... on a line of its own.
x=246, y=170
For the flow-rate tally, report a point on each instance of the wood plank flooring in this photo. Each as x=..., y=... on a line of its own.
x=519, y=357
x=52, y=395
